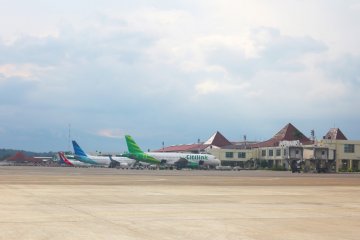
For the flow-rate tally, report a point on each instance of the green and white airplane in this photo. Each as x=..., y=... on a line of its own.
x=176, y=159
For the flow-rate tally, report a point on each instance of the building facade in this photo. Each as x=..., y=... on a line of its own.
x=289, y=147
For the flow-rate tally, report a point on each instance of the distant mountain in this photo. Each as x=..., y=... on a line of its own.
x=5, y=153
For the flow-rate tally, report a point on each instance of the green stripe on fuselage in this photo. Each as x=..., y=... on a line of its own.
x=192, y=165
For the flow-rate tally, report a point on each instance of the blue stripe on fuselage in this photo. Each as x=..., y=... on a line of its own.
x=85, y=160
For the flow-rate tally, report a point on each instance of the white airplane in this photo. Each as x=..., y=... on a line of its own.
x=176, y=159
x=71, y=161
x=105, y=161
x=122, y=162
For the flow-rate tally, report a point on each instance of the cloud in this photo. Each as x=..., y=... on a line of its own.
x=32, y=50
x=15, y=91
x=168, y=70
x=11, y=70
x=111, y=133
x=211, y=87
x=355, y=6
x=344, y=68
x=272, y=51
x=276, y=45
x=28, y=72
x=84, y=46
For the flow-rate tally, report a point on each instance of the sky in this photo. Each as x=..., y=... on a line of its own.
x=175, y=71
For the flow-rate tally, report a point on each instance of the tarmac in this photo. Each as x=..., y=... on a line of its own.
x=99, y=203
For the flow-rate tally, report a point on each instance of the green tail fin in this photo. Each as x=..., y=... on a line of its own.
x=132, y=146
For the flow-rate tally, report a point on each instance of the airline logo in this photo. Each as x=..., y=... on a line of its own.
x=196, y=157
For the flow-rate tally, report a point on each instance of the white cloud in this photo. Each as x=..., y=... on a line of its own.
x=148, y=67
x=207, y=87
x=210, y=87
x=27, y=71
x=12, y=70
x=345, y=68
x=111, y=133
x=355, y=6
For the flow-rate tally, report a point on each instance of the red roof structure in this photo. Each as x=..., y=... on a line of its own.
x=21, y=157
x=287, y=133
x=335, y=134
x=218, y=140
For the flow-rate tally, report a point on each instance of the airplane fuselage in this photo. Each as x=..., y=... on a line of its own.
x=189, y=158
x=124, y=161
x=75, y=163
x=94, y=160
x=177, y=159
x=71, y=161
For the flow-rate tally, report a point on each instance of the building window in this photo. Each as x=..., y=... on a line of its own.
x=296, y=151
x=285, y=152
x=278, y=152
x=323, y=152
x=263, y=153
x=271, y=153
x=229, y=154
x=349, y=148
x=241, y=155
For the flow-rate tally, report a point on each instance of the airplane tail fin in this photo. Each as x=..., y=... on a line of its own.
x=132, y=146
x=61, y=156
x=64, y=159
x=77, y=149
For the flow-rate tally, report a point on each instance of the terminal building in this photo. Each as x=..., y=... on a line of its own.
x=289, y=147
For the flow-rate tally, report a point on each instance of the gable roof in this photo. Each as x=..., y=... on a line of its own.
x=287, y=133
x=217, y=139
x=335, y=134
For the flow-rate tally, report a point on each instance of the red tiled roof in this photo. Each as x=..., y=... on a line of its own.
x=335, y=134
x=287, y=133
x=217, y=139
x=21, y=157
